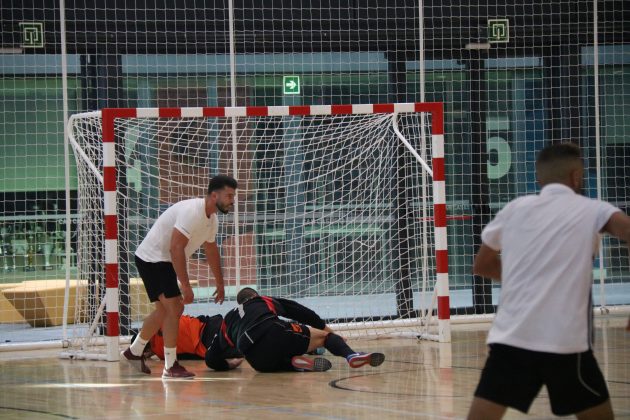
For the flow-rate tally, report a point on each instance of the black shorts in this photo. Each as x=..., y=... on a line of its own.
x=158, y=278
x=282, y=340
x=513, y=377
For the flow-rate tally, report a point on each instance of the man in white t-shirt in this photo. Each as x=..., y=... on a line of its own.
x=541, y=248
x=161, y=260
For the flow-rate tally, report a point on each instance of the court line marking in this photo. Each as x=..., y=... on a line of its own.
x=403, y=412
x=335, y=384
x=26, y=410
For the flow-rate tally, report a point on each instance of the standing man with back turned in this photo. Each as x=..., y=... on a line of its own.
x=161, y=260
x=541, y=248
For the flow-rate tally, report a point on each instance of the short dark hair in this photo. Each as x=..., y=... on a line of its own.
x=245, y=294
x=221, y=181
x=559, y=151
x=555, y=162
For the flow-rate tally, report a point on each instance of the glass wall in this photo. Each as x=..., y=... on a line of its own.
x=32, y=176
x=516, y=124
x=31, y=153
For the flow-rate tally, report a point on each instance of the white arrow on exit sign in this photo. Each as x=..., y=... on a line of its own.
x=291, y=85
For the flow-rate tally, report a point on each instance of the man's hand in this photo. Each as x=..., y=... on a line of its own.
x=214, y=260
x=219, y=294
x=234, y=363
x=187, y=294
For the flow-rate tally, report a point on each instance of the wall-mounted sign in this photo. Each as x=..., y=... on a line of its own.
x=498, y=31
x=32, y=34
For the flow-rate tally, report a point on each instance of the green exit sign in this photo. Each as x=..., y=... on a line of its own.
x=32, y=34
x=291, y=85
x=498, y=31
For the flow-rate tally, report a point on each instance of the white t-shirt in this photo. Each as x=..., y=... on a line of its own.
x=188, y=217
x=547, y=245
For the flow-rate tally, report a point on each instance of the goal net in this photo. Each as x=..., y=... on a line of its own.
x=341, y=208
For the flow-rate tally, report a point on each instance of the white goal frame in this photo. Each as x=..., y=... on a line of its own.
x=440, y=301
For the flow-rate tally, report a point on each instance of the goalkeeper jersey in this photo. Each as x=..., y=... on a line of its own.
x=247, y=322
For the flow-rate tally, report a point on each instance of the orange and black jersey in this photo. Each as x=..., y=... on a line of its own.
x=190, y=336
x=244, y=324
x=194, y=336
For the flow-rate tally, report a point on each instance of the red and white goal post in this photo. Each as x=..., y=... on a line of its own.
x=341, y=207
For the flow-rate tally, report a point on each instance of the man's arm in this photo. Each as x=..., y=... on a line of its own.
x=214, y=355
x=214, y=260
x=619, y=226
x=178, y=258
x=291, y=309
x=487, y=263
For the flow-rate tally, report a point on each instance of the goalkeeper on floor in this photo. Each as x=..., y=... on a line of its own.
x=271, y=344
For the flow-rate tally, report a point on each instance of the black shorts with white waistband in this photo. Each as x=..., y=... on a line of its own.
x=158, y=278
x=513, y=377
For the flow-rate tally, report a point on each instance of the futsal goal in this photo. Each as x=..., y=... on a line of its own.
x=340, y=207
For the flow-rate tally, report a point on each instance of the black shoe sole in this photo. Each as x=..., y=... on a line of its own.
x=321, y=364
x=377, y=359
x=317, y=364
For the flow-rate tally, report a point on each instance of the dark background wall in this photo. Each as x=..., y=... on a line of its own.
x=133, y=26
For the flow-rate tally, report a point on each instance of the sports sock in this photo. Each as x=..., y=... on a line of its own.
x=170, y=356
x=337, y=346
x=138, y=345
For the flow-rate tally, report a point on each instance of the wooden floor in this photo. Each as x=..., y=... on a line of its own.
x=418, y=380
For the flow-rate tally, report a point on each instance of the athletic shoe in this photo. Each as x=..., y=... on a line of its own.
x=177, y=371
x=136, y=361
x=306, y=364
x=361, y=359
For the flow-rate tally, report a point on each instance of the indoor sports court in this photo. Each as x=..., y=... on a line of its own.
x=373, y=141
x=425, y=380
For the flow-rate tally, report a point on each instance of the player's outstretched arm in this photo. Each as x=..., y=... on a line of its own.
x=619, y=226
x=291, y=309
x=214, y=355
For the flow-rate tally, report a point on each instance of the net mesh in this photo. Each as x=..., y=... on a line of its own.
x=319, y=215
x=514, y=76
